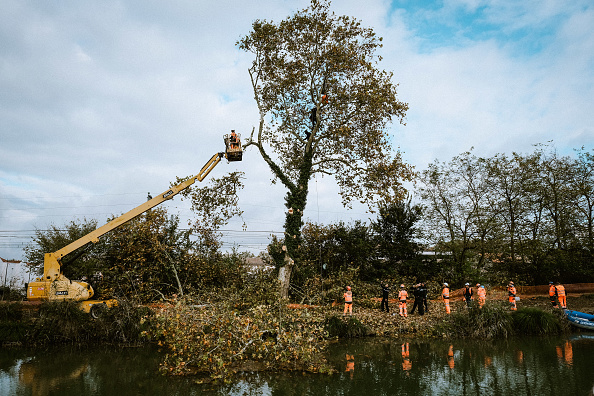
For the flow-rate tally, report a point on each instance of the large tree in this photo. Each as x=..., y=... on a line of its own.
x=324, y=108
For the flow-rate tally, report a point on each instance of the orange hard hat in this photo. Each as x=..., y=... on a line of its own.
x=348, y=288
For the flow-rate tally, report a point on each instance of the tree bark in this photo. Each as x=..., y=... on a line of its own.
x=284, y=276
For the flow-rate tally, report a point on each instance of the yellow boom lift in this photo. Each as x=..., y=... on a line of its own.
x=54, y=286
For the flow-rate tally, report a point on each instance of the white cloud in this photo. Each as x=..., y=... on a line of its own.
x=102, y=102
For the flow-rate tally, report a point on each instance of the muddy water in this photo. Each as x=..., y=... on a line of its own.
x=528, y=366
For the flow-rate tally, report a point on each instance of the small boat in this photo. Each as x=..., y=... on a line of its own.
x=580, y=319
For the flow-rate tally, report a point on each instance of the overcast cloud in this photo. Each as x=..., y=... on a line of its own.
x=102, y=102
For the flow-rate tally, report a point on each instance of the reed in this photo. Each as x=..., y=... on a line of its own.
x=535, y=321
x=487, y=323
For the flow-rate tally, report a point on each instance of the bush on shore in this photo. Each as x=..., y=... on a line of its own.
x=496, y=321
x=64, y=323
x=218, y=339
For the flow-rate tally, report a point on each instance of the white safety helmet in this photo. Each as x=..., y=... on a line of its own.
x=467, y=284
x=446, y=285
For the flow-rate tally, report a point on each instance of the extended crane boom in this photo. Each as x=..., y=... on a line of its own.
x=55, y=286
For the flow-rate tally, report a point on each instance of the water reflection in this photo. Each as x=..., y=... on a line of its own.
x=31, y=376
x=384, y=367
x=350, y=365
x=451, y=360
x=406, y=364
x=565, y=353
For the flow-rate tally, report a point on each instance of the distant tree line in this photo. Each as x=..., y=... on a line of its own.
x=525, y=217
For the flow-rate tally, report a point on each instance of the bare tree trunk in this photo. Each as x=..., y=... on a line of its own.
x=284, y=276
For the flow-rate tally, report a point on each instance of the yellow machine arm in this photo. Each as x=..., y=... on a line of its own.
x=51, y=262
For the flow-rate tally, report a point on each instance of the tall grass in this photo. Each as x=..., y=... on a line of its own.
x=11, y=330
x=487, y=323
x=65, y=323
x=498, y=322
x=534, y=321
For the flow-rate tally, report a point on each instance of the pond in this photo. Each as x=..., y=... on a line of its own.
x=371, y=366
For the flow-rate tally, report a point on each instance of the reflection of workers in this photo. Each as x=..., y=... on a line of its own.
x=511, y=291
x=561, y=295
x=350, y=364
x=385, y=294
x=568, y=353
x=467, y=294
x=481, y=292
x=451, y=363
x=565, y=353
x=406, y=363
x=445, y=295
x=402, y=294
x=520, y=356
x=553, y=294
x=348, y=301
x=488, y=361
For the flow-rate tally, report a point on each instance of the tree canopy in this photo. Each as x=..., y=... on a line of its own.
x=325, y=106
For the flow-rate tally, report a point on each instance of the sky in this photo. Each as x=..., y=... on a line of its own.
x=103, y=102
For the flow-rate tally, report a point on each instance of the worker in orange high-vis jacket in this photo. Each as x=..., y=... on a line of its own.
x=348, y=301
x=481, y=292
x=561, y=295
x=445, y=295
x=511, y=291
x=553, y=294
x=402, y=295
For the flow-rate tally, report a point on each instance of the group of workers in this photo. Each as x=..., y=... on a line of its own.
x=556, y=294
x=419, y=292
x=481, y=293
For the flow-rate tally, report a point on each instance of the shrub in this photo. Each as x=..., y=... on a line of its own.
x=65, y=323
x=487, y=323
x=350, y=328
x=217, y=339
x=534, y=321
x=12, y=328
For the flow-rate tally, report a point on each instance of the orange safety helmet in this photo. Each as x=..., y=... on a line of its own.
x=348, y=288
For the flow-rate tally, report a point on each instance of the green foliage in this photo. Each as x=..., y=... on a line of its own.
x=218, y=340
x=55, y=238
x=490, y=322
x=396, y=231
x=496, y=321
x=148, y=257
x=534, y=321
x=8, y=293
x=66, y=323
x=11, y=327
x=339, y=247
